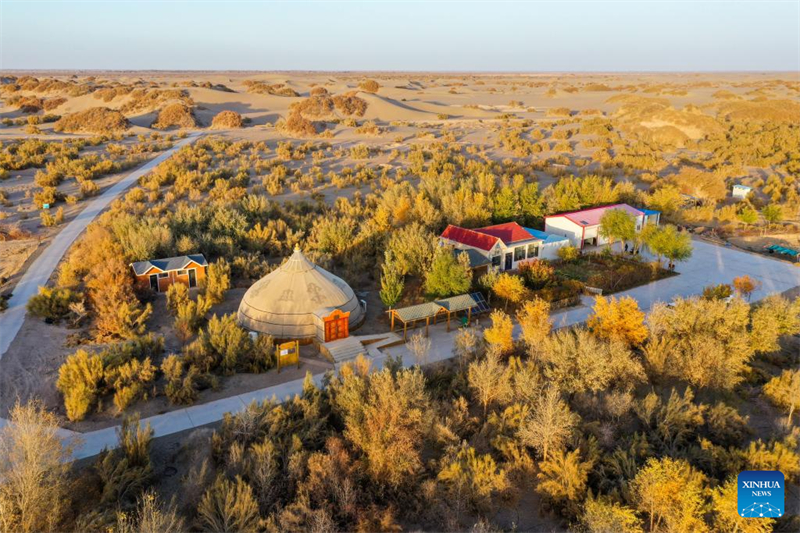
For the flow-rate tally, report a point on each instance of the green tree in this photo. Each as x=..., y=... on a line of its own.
x=747, y=216
x=506, y=206
x=448, y=275
x=617, y=225
x=667, y=241
x=773, y=214
x=392, y=283
x=531, y=204
x=666, y=199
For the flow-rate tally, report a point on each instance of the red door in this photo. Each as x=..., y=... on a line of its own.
x=337, y=326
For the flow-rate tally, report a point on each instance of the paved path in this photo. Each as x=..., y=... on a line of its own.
x=710, y=264
x=39, y=272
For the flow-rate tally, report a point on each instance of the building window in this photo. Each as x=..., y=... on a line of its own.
x=519, y=253
x=181, y=272
x=163, y=275
x=496, y=261
x=533, y=251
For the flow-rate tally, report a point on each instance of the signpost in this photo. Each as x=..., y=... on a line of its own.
x=288, y=353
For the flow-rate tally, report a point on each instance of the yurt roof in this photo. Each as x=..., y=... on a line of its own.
x=284, y=301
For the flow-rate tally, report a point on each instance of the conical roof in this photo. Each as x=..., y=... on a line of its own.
x=284, y=302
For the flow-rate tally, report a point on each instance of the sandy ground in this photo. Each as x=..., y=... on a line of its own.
x=410, y=108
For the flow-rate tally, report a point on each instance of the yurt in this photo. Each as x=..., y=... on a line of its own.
x=301, y=301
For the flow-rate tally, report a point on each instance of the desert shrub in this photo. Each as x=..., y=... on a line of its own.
x=318, y=91
x=559, y=112
x=229, y=506
x=177, y=295
x=350, y=104
x=100, y=120
x=717, y=292
x=222, y=345
x=175, y=115
x=79, y=380
x=52, y=103
x=226, y=120
x=370, y=86
x=296, y=124
x=276, y=89
x=129, y=381
x=568, y=254
x=182, y=386
x=190, y=316
x=125, y=472
x=52, y=303
x=315, y=106
x=218, y=280
x=46, y=195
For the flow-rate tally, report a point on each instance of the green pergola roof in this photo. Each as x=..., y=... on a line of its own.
x=453, y=304
x=417, y=312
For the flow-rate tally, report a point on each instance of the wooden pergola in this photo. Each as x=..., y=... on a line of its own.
x=471, y=303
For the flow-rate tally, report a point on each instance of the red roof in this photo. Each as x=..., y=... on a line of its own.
x=510, y=232
x=591, y=217
x=469, y=237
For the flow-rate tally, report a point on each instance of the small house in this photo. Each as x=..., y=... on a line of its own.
x=503, y=246
x=159, y=274
x=582, y=228
x=741, y=191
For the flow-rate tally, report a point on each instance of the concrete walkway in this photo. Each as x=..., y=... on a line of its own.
x=43, y=267
x=710, y=264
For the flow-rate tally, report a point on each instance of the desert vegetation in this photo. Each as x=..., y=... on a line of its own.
x=98, y=120
x=566, y=419
x=591, y=428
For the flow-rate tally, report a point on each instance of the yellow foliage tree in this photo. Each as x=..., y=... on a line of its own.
x=509, y=287
x=618, y=320
x=501, y=332
x=534, y=319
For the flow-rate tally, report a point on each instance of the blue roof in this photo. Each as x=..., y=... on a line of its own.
x=648, y=211
x=546, y=237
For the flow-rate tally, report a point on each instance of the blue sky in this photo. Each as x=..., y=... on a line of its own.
x=436, y=36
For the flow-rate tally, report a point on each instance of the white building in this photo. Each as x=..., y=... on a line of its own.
x=582, y=228
x=504, y=245
x=741, y=191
